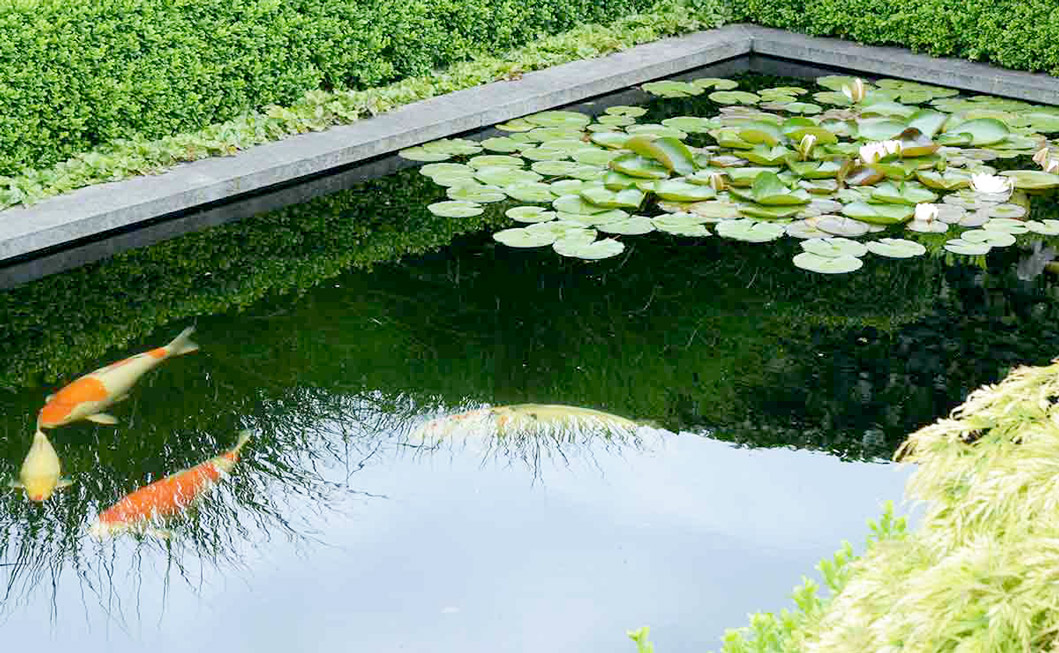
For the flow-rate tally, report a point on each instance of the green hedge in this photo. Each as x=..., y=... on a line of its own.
x=1020, y=34
x=75, y=75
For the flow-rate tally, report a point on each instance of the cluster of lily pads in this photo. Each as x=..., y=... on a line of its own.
x=894, y=163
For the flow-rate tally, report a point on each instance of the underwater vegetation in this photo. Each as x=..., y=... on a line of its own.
x=895, y=163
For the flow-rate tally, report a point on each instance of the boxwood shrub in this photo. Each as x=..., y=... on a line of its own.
x=1020, y=34
x=74, y=75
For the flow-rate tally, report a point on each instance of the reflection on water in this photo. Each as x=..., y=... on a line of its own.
x=478, y=447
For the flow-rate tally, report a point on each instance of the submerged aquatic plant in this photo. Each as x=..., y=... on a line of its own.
x=774, y=165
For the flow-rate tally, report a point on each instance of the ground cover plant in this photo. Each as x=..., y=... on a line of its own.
x=902, y=165
x=284, y=70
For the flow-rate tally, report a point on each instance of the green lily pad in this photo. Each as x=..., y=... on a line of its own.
x=672, y=89
x=827, y=264
x=516, y=125
x=1043, y=227
x=734, y=97
x=611, y=140
x=670, y=152
x=950, y=179
x=1032, y=179
x=476, y=193
x=896, y=248
x=927, y=121
x=879, y=129
x=681, y=191
x=680, y=224
x=769, y=190
x=659, y=131
x=597, y=219
x=767, y=156
x=530, y=192
x=805, y=229
x=983, y=131
x=615, y=180
x=990, y=237
x=495, y=161
x=628, y=198
x=815, y=169
x=902, y=193
x=530, y=214
x=554, y=168
x=966, y=247
x=623, y=110
x=717, y=83
x=455, y=209
x=578, y=248
x=714, y=210
x=741, y=177
x=559, y=119
x=616, y=121
x=595, y=156
x=453, y=146
x=834, y=225
x=762, y=212
x=544, y=154
x=505, y=176
x=522, y=237
x=577, y=204
x=1007, y=225
x=421, y=154
x=567, y=186
x=502, y=144
x=883, y=214
x=750, y=231
x=888, y=109
x=635, y=225
x=635, y=165
x=690, y=124
x=833, y=247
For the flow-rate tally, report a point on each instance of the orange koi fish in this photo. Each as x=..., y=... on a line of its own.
x=88, y=396
x=167, y=497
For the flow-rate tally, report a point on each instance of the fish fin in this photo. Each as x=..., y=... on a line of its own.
x=244, y=437
x=16, y=485
x=64, y=482
x=49, y=398
x=122, y=397
x=103, y=418
x=182, y=344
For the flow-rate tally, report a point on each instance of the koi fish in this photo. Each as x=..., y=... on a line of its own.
x=89, y=395
x=41, y=473
x=166, y=498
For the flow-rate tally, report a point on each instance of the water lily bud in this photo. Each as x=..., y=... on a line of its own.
x=1052, y=166
x=990, y=184
x=718, y=182
x=856, y=92
x=877, y=151
x=1041, y=156
x=926, y=212
x=806, y=145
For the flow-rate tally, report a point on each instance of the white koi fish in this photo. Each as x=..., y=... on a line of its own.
x=41, y=473
x=88, y=396
x=521, y=419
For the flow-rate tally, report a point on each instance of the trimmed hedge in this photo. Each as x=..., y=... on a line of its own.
x=1020, y=34
x=76, y=75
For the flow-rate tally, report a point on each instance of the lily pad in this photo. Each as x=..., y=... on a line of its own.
x=834, y=247
x=628, y=198
x=453, y=146
x=522, y=237
x=1043, y=227
x=896, y=248
x=983, y=131
x=1032, y=179
x=672, y=89
x=422, y=154
x=805, y=229
x=769, y=190
x=559, y=119
x=476, y=193
x=750, y=231
x=827, y=264
x=1007, y=225
x=505, y=176
x=502, y=144
x=714, y=210
x=690, y=124
x=516, y=125
x=717, y=83
x=635, y=165
x=578, y=248
x=623, y=110
x=577, y=204
x=902, y=193
x=612, y=140
x=495, y=160
x=838, y=226
x=990, y=237
x=670, y=152
x=966, y=247
x=632, y=226
x=530, y=192
x=530, y=214
x=455, y=209
x=884, y=214
x=734, y=97
x=679, y=190
x=594, y=156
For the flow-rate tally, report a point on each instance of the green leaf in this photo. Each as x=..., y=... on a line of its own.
x=884, y=214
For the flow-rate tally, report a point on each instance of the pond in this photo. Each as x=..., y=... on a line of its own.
x=361, y=340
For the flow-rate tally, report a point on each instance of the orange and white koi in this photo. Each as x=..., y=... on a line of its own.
x=88, y=396
x=41, y=473
x=143, y=509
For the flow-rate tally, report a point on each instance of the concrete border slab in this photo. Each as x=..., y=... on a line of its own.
x=89, y=213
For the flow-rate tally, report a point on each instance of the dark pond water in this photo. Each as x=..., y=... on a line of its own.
x=770, y=398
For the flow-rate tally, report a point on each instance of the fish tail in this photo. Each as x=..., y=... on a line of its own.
x=182, y=344
x=244, y=437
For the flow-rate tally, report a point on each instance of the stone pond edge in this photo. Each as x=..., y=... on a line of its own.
x=103, y=208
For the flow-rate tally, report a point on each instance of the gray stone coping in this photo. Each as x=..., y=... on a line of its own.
x=87, y=212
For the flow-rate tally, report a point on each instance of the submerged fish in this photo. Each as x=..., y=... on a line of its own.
x=88, y=396
x=144, y=508
x=524, y=419
x=41, y=473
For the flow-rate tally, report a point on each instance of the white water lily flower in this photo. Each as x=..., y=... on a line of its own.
x=855, y=92
x=990, y=184
x=806, y=145
x=878, y=150
x=926, y=212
